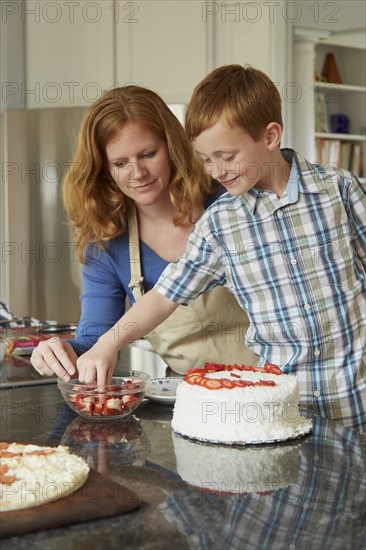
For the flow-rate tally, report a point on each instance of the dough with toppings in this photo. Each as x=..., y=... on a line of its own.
x=31, y=475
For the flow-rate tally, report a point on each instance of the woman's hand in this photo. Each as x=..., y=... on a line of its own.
x=55, y=356
x=97, y=364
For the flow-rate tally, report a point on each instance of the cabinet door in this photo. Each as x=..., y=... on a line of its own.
x=163, y=46
x=242, y=35
x=257, y=34
x=69, y=52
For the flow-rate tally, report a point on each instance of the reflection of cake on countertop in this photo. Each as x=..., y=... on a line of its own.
x=238, y=404
x=228, y=469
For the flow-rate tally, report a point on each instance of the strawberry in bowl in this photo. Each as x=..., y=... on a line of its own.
x=117, y=400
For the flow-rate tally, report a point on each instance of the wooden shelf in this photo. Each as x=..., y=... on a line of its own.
x=339, y=87
x=342, y=137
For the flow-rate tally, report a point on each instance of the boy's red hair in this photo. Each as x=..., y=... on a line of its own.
x=245, y=96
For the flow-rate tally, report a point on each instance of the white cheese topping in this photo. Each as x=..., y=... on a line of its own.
x=39, y=478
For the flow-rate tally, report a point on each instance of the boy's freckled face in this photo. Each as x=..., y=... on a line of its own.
x=232, y=157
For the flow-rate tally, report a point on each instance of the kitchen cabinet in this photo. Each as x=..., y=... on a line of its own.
x=164, y=46
x=69, y=49
x=76, y=50
x=171, y=46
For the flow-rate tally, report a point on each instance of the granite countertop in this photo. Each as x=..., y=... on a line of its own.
x=308, y=493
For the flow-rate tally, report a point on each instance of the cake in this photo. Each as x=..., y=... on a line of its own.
x=234, y=404
x=236, y=470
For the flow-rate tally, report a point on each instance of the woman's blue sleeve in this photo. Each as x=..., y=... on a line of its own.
x=103, y=297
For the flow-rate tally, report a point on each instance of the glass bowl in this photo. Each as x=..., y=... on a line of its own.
x=117, y=400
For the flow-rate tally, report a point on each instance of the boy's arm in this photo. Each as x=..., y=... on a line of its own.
x=355, y=202
x=99, y=362
x=143, y=317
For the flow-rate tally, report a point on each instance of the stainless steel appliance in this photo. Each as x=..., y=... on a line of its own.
x=39, y=262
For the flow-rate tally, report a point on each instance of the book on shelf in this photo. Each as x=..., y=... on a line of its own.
x=343, y=154
x=356, y=159
x=345, y=159
x=322, y=118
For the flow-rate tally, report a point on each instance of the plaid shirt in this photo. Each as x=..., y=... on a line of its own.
x=296, y=265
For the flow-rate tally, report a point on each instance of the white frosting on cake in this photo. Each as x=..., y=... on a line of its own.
x=236, y=470
x=240, y=414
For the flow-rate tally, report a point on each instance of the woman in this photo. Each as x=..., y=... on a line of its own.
x=133, y=193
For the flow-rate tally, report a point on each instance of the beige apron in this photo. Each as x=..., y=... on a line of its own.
x=211, y=328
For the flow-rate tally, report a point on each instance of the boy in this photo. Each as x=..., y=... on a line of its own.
x=288, y=239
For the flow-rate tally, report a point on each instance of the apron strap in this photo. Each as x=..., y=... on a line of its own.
x=136, y=281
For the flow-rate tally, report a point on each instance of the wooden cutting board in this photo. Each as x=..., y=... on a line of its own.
x=100, y=497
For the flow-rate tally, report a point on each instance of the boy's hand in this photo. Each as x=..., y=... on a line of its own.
x=55, y=356
x=97, y=364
